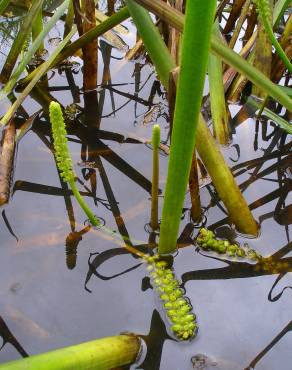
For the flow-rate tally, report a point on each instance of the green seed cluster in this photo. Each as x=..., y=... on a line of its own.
x=263, y=7
x=177, y=307
x=63, y=158
x=207, y=241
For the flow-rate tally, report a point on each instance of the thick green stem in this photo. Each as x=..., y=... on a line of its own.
x=212, y=147
x=224, y=182
x=195, y=49
x=93, y=220
x=102, y=354
x=155, y=177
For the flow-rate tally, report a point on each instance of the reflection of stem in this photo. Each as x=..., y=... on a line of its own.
x=83, y=204
x=287, y=328
x=72, y=242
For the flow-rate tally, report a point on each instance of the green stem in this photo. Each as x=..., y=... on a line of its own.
x=195, y=49
x=93, y=220
x=102, y=354
x=155, y=177
x=252, y=73
x=280, y=7
x=3, y=5
x=217, y=97
x=150, y=36
x=251, y=225
x=224, y=182
x=37, y=27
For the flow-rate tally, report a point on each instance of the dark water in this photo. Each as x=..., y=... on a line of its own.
x=50, y=297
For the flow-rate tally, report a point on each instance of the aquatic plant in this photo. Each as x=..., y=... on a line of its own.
x=208, y=151
x=194, y=58
x=266, y=16
x=207, y=241
x=32, y=49
x=63, y=157
x=218, y=48
x=102, y=354
x=155, y=177
x=217, y=96
x=43, y=68
x=22, y=35
x=177, y=306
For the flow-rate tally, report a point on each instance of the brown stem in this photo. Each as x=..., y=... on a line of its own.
x=235, y=12
x=195, y=191
x=89, y=50
x=7, y=161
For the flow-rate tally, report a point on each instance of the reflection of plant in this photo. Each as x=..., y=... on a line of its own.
x=8, y=30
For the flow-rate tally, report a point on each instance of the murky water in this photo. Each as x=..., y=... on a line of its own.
x=49, y=294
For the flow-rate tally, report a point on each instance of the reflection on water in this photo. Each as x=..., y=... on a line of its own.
x=58, y=260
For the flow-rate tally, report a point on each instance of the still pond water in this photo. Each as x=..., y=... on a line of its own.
x=63, y=283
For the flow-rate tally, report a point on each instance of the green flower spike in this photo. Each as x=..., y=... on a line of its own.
x=177, y=307
x=63, y=157
x=206, y=240
x=59, y=132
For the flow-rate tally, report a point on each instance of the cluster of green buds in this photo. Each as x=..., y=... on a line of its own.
x=264, y=9
x=59, y=132
x=207, y=241
x=176, y=305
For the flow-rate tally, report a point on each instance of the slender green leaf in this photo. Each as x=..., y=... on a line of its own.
x=32, y=49
x=285, y=125
x=41, y=71
x=3, y=5
x=87, y=37
x=176, y=19
x=21, y=37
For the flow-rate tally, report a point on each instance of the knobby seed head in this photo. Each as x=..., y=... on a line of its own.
x=177, y=306
x=207, y=241
x=59, y=132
